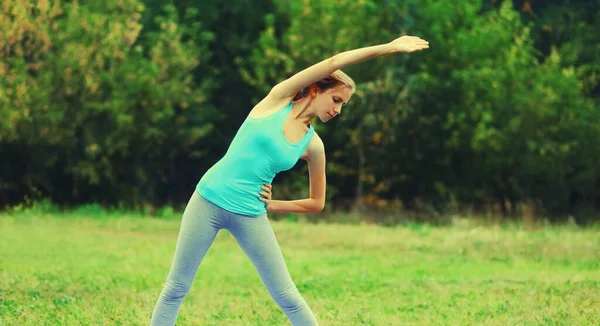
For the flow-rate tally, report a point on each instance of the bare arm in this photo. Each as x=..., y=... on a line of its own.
x=316, y=167
x=289, y=87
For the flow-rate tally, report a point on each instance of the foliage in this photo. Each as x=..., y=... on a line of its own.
x=477, y=118
x=512, y=125
x=130, y=102
x=90, y=113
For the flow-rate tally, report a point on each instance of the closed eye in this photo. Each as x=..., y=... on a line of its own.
x=337, y=100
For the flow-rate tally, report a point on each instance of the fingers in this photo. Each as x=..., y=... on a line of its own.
x=418, y=40
x=419, y=45
x=410, y=44
x=266, y=193
x=415, y=38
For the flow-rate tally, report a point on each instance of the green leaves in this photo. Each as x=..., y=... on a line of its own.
x=135, y=100
x=84, y=95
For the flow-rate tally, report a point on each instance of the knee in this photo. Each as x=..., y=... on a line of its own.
x=289, y=298
x=174, y=291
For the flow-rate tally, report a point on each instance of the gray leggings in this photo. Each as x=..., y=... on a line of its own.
x=199, y=226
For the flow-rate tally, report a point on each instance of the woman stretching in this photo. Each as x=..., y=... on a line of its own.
x=235, y=194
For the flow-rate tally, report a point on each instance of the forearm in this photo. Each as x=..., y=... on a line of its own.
x=296, y=206
x=351, y=57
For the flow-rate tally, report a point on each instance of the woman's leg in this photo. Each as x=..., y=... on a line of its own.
x=256, y=238
x=199, y=226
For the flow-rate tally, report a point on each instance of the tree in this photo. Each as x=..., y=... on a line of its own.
x=90, y=114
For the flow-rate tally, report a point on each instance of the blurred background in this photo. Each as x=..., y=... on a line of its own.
x=126, y=103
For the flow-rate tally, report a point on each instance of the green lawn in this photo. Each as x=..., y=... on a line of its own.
x=78, y=270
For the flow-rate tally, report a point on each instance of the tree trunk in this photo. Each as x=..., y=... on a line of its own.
x=359, y=185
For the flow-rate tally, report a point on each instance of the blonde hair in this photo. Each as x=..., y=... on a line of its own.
x=337, y=78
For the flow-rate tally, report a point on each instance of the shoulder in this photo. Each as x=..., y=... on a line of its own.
x=268, y=105
x=315, y=148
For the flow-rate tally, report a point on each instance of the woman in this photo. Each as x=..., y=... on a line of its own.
x=276, y=133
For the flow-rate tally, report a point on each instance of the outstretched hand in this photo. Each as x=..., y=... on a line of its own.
x=409, y=44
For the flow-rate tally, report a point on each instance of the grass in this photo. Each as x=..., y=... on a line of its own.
x=76, y=269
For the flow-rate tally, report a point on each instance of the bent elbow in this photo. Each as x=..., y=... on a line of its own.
x=318, y=206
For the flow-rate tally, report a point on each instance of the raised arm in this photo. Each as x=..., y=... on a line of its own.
x=291, y=86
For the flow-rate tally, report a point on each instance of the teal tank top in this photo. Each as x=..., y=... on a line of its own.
x=257, y=153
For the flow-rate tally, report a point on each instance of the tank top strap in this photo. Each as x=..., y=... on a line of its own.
x=307, y=138
x=284, y=111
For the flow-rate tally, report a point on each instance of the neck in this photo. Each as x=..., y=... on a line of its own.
x=302, y=111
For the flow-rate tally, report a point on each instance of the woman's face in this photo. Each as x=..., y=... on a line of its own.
x=328, y=104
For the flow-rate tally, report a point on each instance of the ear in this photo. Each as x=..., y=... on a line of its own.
x=314, y=89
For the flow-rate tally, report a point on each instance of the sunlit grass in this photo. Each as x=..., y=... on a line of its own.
x=79, y=270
